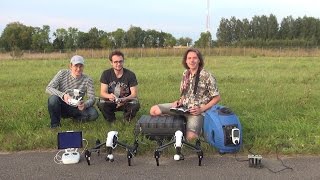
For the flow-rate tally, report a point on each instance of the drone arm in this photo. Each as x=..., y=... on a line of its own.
x=191, y=146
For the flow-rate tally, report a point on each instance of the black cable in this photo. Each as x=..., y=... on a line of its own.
x=285, y=166
x=243, y=160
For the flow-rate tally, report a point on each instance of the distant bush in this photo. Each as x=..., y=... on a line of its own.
x=16, y=53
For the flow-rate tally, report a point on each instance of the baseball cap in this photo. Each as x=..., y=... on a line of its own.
x=77, y=60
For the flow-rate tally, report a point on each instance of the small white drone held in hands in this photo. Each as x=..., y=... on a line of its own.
x=76, y=97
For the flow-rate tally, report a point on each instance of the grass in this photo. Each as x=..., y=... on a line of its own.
x=275, y=98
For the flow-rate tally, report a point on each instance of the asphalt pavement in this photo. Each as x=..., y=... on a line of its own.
x=41, y=165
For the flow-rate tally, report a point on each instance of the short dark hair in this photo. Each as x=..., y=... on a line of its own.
x=115, y=53
x=201, y=63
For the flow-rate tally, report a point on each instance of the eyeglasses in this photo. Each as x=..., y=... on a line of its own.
x=118, y=62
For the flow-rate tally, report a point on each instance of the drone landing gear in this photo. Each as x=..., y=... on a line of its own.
x=111, y=143
x=178, y=142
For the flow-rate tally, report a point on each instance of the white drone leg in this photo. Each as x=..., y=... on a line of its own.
x=178, y=137
x=110, y=145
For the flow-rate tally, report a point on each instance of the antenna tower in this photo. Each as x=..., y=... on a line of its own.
x=208, y=17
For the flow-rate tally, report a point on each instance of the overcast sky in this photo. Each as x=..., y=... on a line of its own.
x=181, y=18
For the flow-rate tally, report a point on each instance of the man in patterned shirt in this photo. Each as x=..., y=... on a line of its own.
x=69, y=84
x=199, y=92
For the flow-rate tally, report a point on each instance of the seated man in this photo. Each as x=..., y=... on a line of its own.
x=119, y=90
x=199, y=92
x=65, y=84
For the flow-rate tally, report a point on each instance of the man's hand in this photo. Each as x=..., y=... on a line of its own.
x=66, y=98
x=196, y=110
x=112, y=97
x=177, y=103
x=81, y=106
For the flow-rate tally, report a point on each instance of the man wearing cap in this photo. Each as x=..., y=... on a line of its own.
x=67, y=90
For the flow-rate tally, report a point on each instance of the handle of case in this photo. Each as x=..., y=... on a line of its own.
x=212, y=134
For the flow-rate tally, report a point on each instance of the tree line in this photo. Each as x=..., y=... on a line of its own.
x=260, y=31
x=263, y=31
x=19, y=36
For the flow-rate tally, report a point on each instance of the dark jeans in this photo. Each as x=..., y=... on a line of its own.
x=58, y=108
x=109, y=108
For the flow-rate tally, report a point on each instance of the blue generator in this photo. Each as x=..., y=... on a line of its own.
x=222, y=129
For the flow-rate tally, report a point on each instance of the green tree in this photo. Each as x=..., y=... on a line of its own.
x=17, y=36
x=169, y=40
x=106, y=40
x=94, y=36
x=224, y=34
x=205, y=40
x=135, y=36
x=245, y=30
x=153, y=39
x=61, y=36
x=118, y=38
x=184, y=41
x=286, y=30
x=259, y=27
x=41, y=39
x=83, y=40
x=273, y=27
x=72, y=37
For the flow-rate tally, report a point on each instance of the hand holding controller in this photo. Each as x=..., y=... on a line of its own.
x=73, y=97
x=74, y=102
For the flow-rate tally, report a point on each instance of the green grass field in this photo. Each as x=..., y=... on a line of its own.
x=276, y=100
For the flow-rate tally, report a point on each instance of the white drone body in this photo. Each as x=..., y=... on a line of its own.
x=76, y=98
x=110, y=144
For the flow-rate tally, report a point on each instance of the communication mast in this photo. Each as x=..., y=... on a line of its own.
x=208, y=22
x=208, y=17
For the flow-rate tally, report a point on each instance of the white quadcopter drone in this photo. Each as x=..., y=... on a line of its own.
x=76, y=97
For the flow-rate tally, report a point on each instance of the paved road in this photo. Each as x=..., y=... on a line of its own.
x=40, y=165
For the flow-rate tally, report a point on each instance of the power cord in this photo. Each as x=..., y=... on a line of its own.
x=285, y=166
x=85, y=146
x=260, y=166
x=58, y=158
x=241, y=160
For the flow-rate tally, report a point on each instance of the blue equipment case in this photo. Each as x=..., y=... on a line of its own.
x=217, y=128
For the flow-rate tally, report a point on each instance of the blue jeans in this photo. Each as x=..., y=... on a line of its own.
x=58, y=108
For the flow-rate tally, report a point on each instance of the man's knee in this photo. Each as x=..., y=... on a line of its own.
x=155, y=110
x=135, y=107
x=191, y=135
x=93, y=114
x=53, y=99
